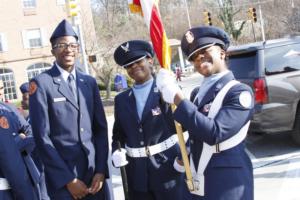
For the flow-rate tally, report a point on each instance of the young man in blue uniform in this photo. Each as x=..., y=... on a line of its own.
x=69, y=123
x=18, y=174
x=144, y=127
x=217, y=119
x=24, y=88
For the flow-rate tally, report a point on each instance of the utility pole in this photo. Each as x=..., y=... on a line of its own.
x=261, y=23
x=188, y=14
x=74, y=13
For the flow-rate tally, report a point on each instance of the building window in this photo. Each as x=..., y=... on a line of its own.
x=3, y=43
x=8, y=79
x=35, y=69
x=29, y=3
x=32, y=38
x=60, y=2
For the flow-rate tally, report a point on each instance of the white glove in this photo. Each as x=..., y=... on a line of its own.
x=178, y=167
x=167, y=85
x=119, y=158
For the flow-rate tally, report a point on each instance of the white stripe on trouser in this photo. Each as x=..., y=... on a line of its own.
x=154, y=149
x=4, y=185
x=209, y=150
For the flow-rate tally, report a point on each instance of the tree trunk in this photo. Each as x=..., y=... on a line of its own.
x=108, y=88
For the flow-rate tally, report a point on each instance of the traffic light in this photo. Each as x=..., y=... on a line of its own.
x=252, y=14
x=207, y=18
x=73, y=8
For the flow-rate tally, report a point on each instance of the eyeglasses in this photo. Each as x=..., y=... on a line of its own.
x=62, y=46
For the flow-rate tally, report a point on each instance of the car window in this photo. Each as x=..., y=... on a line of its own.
x=282, y=59
x=242, y=65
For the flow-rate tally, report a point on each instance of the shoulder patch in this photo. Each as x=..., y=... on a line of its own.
x=245, y=99
x=4, y=122
x=32, y=87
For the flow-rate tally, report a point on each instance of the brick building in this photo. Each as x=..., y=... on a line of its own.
x=26, y=26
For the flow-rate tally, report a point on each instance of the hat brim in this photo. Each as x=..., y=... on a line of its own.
x=203, y=47
x=133, y=60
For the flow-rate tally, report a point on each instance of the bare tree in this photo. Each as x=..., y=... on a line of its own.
x=114, y=24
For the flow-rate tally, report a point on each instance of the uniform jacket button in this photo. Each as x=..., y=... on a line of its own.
x=141, y=143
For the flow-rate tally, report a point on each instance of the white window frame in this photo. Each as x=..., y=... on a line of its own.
x=29, y=3
x=3, y=43
x=60, y=2
x=36, y=69
x=32, y=34
x=8, y=78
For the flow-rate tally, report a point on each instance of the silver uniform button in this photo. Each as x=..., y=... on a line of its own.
x=140, y=130
x=81, y=129
x=142, y=143
x=192, y=141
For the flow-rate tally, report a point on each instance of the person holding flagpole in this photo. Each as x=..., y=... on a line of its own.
x=217, y=118
x=145, y=128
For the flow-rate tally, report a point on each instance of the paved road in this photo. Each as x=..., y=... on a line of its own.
x=275, y=158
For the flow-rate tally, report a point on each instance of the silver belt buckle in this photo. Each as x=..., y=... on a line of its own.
x=147, y=151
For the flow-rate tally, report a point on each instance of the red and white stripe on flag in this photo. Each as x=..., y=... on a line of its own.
x=150, y=11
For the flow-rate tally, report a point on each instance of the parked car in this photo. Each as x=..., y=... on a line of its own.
x=272, y=69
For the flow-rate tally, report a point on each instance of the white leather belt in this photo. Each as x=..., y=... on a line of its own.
x=4, y=185
x=154, y=149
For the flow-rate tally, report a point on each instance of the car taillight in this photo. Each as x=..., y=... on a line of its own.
x=260, y=91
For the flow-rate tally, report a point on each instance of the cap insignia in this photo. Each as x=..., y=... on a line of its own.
x=125, y=48
x=189, y=36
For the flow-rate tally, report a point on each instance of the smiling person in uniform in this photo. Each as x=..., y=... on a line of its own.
x=69, y=123
x=217, y=118
x=145, y=128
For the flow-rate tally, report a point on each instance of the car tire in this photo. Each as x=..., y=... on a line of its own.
x=296, y=131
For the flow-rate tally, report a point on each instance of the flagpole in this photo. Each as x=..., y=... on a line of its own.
x=187, y=13
x=161, y=46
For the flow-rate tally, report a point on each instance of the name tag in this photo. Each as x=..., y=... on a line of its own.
x=59, y=99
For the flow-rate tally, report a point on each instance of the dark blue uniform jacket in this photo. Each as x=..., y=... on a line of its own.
x=71, y=138
x=12, y=165
x=157, y=124
x=229, y=174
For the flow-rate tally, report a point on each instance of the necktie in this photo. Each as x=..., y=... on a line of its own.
x=72, y=85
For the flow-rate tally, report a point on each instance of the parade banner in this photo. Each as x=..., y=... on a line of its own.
x=150, y=11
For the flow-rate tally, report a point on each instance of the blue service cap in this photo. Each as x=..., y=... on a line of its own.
x=132, y=51
x=24, y=87
x=201, y=37
x=64, y=28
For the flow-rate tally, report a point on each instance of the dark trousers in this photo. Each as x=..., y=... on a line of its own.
x=170, y=194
